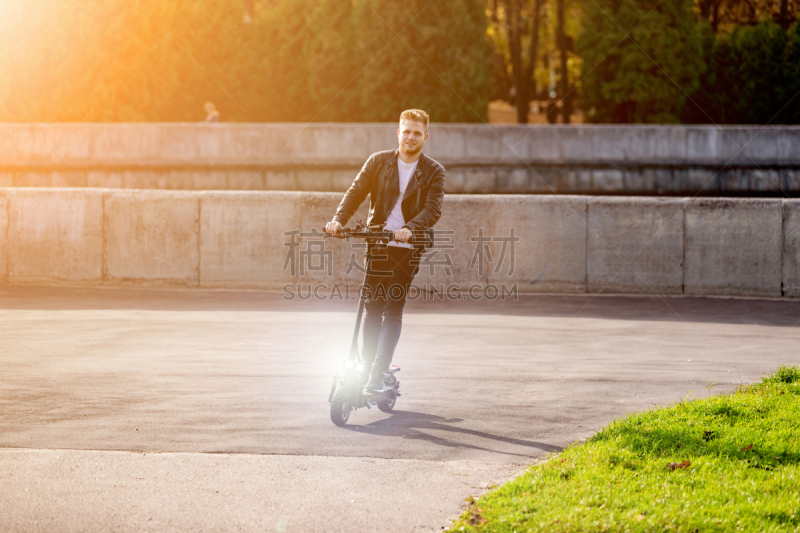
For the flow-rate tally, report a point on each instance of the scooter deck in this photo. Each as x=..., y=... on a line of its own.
x=373, y=397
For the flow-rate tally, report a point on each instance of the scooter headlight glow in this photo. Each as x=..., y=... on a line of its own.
x=359, y=367
x=349, y=364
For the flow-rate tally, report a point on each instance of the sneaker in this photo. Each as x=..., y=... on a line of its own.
x=374, y=385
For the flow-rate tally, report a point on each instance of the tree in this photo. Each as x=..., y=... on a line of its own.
x=263, y=60
x=113, y=60
x=753, y=78
x=640, y=59
x=725, y=15
x=427, y=55
x=285, y=76
x=335, y=60
x=563, y=82
x=531, y=50
x=517, y=24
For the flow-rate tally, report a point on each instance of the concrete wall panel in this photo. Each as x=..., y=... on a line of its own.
x=733, y=246
x=635, y=245
x=34, y=179
x=791, y=247
x=244, y=180
x=608, y=180
x=515, y=145
x=703, y=145
x=111, y=180
x=241, y=243
x=576, y=144
x=787, y=141
x=541, y=147
x=761, y=146
x=550, y=255
x=610, y=147
x=55, y=235
x=462, y=216
x=479, y=144
x=277, y=181
x=152, y=236
x=443, y=139
x=536, y=243
x=454, y=183
x=545, y=180
x=346, y=257
x=247, y=240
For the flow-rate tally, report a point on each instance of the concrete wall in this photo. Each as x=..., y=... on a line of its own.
x=791, y=248
x=732, y=247
x=636, y=245
x=55, y=236
x=743, y=247
x=588, y=159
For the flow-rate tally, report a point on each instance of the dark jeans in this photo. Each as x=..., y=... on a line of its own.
x=393, y=269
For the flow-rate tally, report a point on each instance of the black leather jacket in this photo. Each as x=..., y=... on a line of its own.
x=422, y=200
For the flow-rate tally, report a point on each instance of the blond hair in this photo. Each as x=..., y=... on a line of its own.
x=415, y=115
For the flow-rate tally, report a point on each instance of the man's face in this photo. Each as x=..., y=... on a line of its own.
x=411, y=136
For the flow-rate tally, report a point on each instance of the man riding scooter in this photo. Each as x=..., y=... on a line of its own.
x=406, y=189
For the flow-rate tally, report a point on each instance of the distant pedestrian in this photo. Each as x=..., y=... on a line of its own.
x=212, y=115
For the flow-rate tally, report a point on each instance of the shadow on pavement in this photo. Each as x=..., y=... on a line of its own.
x=411, y=425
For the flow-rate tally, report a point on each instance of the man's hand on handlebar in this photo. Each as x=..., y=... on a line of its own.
x=402, y=235
x=333, y=227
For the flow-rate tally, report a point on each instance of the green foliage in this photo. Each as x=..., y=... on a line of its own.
x=115, y=60
x=439, y=59
x=725, y=463
x=298, y=60
x=285, y=80
x=753, y=74
x=784, y=374
x=334, y=57
x=640, y=58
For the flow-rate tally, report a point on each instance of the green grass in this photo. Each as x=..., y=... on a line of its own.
x=743, y=449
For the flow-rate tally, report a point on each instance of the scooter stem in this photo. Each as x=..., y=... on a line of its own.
x=361, y=301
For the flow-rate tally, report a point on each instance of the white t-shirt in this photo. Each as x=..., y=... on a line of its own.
x=395, y=221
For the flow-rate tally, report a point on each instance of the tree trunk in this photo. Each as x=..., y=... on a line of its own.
x=533, y=53
x=513, y=17
x=715, y=18
x=784, y=16
x=561, y=43
x=705, y=8
x=493, y=10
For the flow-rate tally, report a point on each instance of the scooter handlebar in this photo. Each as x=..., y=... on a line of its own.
x=362, y=234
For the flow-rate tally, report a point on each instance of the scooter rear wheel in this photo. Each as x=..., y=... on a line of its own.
x=340, y=407
x=388, y=404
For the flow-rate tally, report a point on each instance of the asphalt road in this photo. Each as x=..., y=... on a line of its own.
x=175, y=410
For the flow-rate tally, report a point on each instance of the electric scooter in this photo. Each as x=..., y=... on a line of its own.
x=346, y=393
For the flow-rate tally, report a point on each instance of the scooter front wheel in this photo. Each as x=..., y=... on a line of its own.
x=340, y=407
